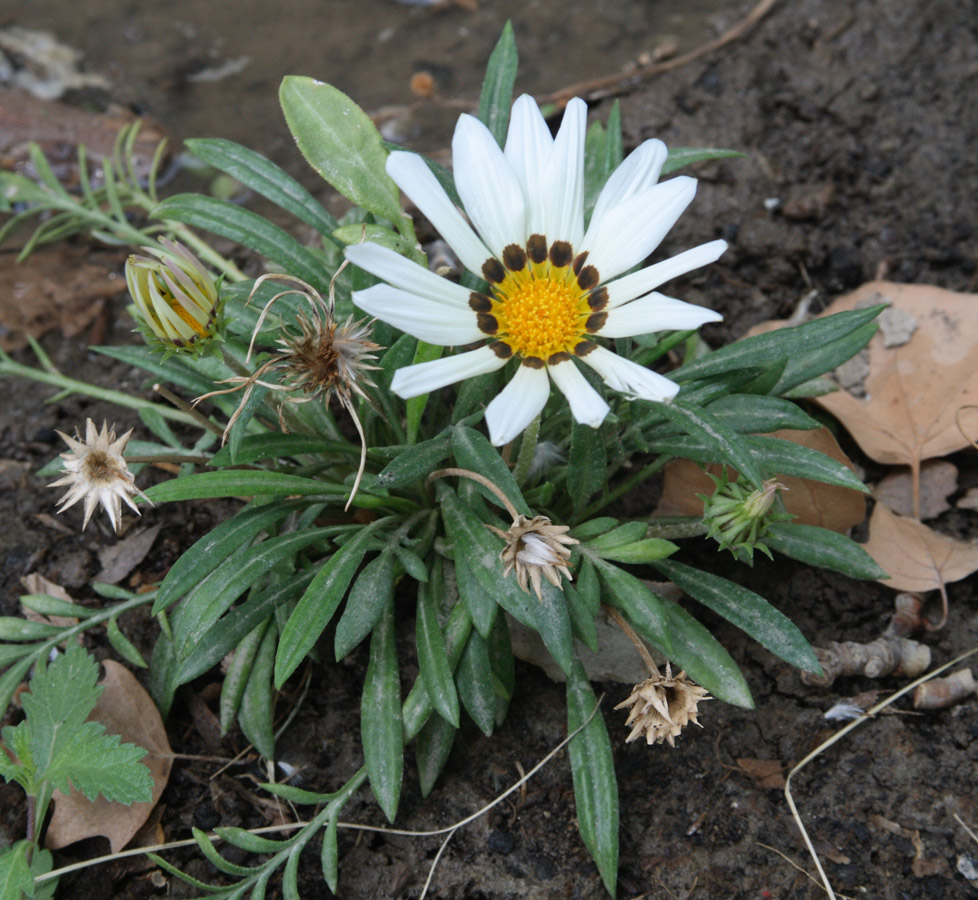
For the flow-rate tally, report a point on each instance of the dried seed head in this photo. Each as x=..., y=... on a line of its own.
x=535, y=548
x=97, y=472
x=662, y=706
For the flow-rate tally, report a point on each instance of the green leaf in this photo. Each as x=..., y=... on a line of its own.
x=645, y=610
x=595, y=528
x=646, y=551
x=214, y=857
x=256, y=713
x=685, y=156
x=477, y=599
x=617, y=536
x=807, y=366
x=497, y=88
x=582, y=617
x=380, y=716
x=751, y=413
x=376, y=234
x=433, y=659
x=16, y=880
x=473, y=451
x=823, y=548
x=372, y=592
x=703, y=657
x=587, y=464
x=788, y=343
x=122, y=645
x=503, y=667
x=55, y=606
x=13, y=628
x=432, y=749
x=201, y=610
x=782, y=457
x=319, y=602
x=245, y=840
x=248, y=229
x=593, y=771
x=11, y=679
x=475, y=683
x=415, y=406
x=745, y=609
x=729, y=446
x=341, y=143
x=263, y=177
x=236, y=677
x=552, y=621
x=275, y=445
x=416, y=462
x=329, y=856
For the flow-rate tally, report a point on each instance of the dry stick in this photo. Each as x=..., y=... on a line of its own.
x=183, y=406
x=485, y=482
x=961, y=822
x=272, y=829
x=795, y=865
x=610, y=81
x=643, y=651
x=838, y=736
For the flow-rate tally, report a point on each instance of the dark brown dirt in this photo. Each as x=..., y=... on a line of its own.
x=859, y=117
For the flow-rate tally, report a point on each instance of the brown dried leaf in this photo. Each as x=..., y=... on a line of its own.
x=914, y=388
x=917, y=557
x=38, y=584
x=938, y=480
x=814, y=503
x=119, y=559
x=127, y=710
x=765, y=773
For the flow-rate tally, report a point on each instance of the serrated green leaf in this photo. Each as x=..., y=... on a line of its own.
x=497, y=88
x=381, y=726
x=473, y=451
x=475, y=683
x=264, y=177
x=685, y=156
x=256, y=713
x=95, y=763
x=370, y=595
x=593, y=771
x=745, y=609
x=433, y=660
x=248, y=229
x=16, y=880
x=342, y=144
x=824, y=549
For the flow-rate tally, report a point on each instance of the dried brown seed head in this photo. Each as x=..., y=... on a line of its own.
x=535, y=548
x=662, y=706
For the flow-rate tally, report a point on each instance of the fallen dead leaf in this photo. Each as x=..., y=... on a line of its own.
x=127, y=710
x=765, y=773
x=969, y=500
x=813, y=503
x=916, y=386
x=938, y=480
x=119, y=559
x=38, y=584
x=917, y=557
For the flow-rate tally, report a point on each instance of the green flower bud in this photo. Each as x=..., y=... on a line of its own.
x=738, y=518
x=178, y=301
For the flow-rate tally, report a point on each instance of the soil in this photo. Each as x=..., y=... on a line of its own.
x=858, y=118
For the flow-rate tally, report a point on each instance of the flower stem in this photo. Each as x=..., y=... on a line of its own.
x=485, y=482
x=622, y=623
x=528, y=448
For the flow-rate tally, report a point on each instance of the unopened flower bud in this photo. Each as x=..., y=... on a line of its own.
x=178, y=301
x=738, y=518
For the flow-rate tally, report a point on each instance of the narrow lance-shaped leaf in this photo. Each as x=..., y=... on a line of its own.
x=256, y=713
x=370, y=595
x=497, y=89
x=432, y=655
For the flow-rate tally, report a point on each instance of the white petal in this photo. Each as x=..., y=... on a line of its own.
x=488, y=186
x=518, y=404
x=529, y=146
x=587, y=406
x=429, y=320
x=649, y=278
x=423, y=378
x=412, y=175
x=406, y=275
x=623, y=375
x=637, y=173
x=629, y=232
x=565, y=178
x=655, y=312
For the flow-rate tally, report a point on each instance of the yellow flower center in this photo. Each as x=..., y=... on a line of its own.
x=544, y=303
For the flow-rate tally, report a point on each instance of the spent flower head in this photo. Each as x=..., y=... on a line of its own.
x=324, y=359
x=536, y=548
x=97, y=472
x=662, y=706
x=555, y=287
x=739, y=517
x=179, y=303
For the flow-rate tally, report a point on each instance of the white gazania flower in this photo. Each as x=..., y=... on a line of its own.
x=97, y=472
x=554, y=286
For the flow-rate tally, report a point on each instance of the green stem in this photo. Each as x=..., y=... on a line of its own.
x=55, y=379
x=641, y=475
x=528, y=448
